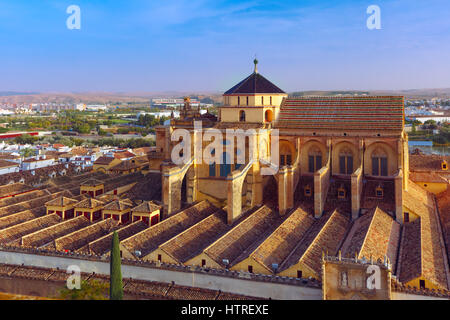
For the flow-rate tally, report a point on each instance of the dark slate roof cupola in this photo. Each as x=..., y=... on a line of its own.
x=254, y=84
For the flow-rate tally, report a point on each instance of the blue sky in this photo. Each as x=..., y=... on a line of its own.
x=198, y=45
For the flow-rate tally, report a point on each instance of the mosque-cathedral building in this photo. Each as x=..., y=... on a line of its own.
x=344, y=196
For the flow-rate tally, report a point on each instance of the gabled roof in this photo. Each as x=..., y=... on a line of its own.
x=342, y=113
x=118, y=205
x=6, y=164
x=89, y=203
x=430, y=162
x=192, y=241
x=148, y=240
x=375, y=234
x=277, y=247
x=325, y=235
x=104, y=160
x=147, y=206
x=254, y=83
x=124, y=154
x=61, y=202
x=239, y=241
x=421, y=250
x=92, y=183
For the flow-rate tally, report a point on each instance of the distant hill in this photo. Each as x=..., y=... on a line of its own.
x=411, y=94
x=14, y=93
x=206, y=97
x=100, y=97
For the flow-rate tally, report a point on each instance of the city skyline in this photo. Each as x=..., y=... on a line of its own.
x=207, y=46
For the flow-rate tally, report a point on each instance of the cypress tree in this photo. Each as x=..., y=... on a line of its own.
x=116, y=286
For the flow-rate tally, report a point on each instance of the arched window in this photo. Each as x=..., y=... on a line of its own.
x=346, y=161
x=379, y=163
x=225, y=166
x=242, y=116
x=314, y=159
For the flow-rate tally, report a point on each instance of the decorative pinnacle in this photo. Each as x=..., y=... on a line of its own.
x=256, y=65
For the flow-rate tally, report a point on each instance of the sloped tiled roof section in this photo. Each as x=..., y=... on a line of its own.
x=147, y=206
x=443, y=201
x=343, y=113
x=276, y=248
x=148, y=240
x=193, y=240
x=375, y=234
x=254, y=83
x=428, y=259
x=325, y=235
x=238, y=240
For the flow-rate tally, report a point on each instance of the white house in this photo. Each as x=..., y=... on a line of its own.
x=8, y=167
x=37, y=162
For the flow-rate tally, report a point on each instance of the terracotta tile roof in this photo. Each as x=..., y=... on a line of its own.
x=147, y=206
x=431, y=177
x=47, y=235
x=343, y=113
x=123, y=154
x=8, y=156
x=194, y=240
x=129, y=164
x=23, y=197
x=239, y=240
x=443, y=201
x=147, y=189
x=375, y=234
x=22, y=216
x=104, y=160
x=82, y=237
x=89, y=203
x=190, y=293
x=7, y=164
x=12, y=189
x=102, y=245
x=118, y=205
x=123, y=180
x=427, y=261
x=410, y=252
x=79, y=151
x=157, y=289
x=92, y=183
x=149, y=239
x=16, y=232
x=32, y=203
x=254, y=83
x=431, y=162
x=32, y=273
x=325, y=235
x=277, y=247
x=61, y=202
